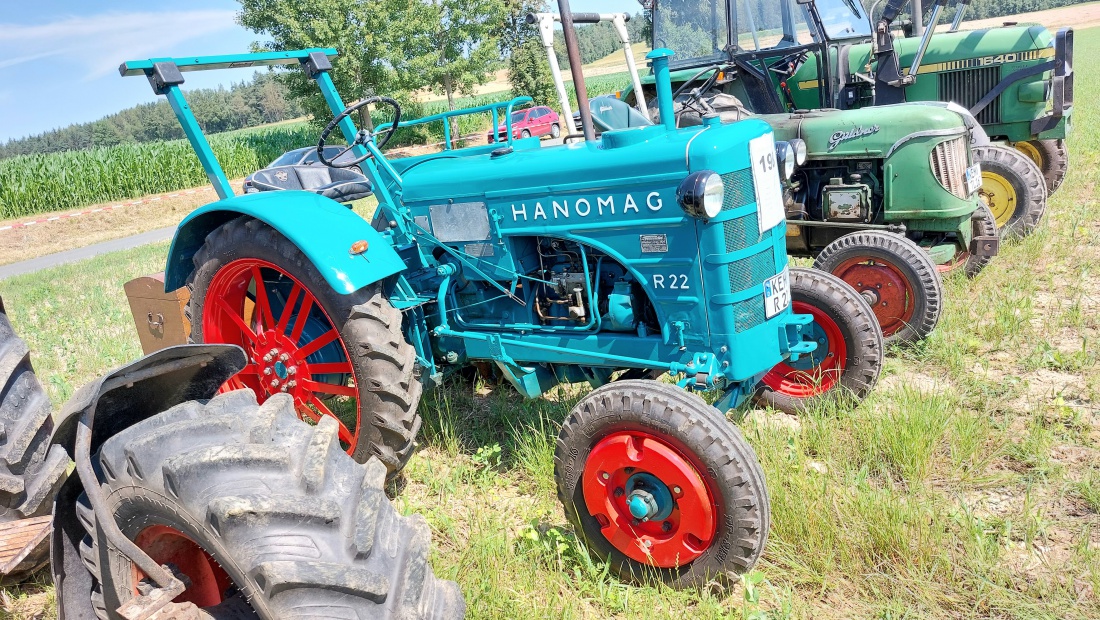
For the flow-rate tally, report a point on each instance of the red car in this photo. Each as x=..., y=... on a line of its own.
x=537, y=121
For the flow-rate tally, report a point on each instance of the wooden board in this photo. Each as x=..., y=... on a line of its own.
x=24, y=545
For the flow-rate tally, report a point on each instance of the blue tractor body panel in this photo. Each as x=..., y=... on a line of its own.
x=323, y=229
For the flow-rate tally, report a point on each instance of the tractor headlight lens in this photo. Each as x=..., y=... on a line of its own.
x=800, y=152
x=785, y=154
x=700, y=194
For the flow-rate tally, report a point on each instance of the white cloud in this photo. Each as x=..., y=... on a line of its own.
x=100, y=43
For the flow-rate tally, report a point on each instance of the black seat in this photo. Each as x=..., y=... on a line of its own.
x=339, y=184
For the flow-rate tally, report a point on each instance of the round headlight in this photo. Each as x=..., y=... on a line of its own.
x=800, y=152
x=701, y=193
x=784, y=152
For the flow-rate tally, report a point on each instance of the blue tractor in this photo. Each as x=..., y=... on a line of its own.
x=648, y=251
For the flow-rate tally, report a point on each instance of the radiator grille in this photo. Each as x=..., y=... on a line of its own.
x=744, y=231
x=949, y=163
x=967, y=88
x=749, y=313
x=752, y=270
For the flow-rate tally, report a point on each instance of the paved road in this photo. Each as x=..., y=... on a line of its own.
x=79, y=254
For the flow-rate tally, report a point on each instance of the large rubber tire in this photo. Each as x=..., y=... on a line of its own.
x=971, y=265
x=820, y=378
x=296, y=526
x=555, y=131
x=388, y=386
x=1013, y=187
x=1051, y=156
x=894, y=262
x=31, y=470
x=701, y=437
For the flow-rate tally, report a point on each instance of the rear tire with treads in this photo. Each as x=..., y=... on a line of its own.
x=298, y=527
x=31, y=470
x=1013, y=187
x=1051, y=156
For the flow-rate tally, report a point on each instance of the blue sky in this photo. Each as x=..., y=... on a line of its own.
x=59, y=58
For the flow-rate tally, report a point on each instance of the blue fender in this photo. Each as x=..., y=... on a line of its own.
x=323, y=230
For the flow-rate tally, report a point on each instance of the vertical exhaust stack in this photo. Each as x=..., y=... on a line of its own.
x=658, y=59
x=574, y=52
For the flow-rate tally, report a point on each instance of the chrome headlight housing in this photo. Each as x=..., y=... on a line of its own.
x=701, y=194
x=785, y=155
x=800, y=151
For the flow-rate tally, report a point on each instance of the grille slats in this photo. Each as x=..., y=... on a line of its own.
x=741, y=233
x=967, y=88
x=949, y=163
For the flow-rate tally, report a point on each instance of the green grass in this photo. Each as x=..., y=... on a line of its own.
x=966, y=486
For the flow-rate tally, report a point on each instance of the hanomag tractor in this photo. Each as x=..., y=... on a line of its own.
x=659, y=249
x=886, y=198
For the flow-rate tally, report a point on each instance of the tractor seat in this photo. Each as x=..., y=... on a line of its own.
x=339, y=184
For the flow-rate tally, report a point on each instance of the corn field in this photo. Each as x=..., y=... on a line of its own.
x=33, y=184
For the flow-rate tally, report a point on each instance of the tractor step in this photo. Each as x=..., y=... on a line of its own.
x=24, y=546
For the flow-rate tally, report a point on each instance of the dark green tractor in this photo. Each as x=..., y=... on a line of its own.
x=1016, y=81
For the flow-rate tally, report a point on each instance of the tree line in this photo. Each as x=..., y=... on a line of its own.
x=247, y=104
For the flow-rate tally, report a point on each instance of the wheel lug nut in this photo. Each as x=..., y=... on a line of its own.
x=292, y=384
x=676, y=490
x=605, y=475
x=267, y=371
x=284, y=357
x=292, y=370
x=283, y=389
x=268, y=358
x=274, y=383
x=619, y=492
x=666, y=526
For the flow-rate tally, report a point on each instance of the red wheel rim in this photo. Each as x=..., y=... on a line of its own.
x=166, y=545
x=885, y=288
x=237, y=311
x=823, y=368
x=688, y=528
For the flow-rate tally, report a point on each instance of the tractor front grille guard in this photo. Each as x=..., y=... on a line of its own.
x=949, y=162
x=739, y=234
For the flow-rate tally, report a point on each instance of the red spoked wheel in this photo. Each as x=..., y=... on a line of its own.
x=167, y=545
x=894, y=275
x=293, y=346
x=846, y=363
x=649, y=499
x=885, y=288
x=814, y=373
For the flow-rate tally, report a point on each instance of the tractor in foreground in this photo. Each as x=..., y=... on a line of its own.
x=657, y=251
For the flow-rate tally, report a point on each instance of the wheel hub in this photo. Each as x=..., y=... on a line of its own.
x=648, y=499
x=884, y=287
x=280, y=364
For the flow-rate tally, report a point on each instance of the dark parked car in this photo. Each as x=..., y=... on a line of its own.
x=537, y=121
x=299, y=157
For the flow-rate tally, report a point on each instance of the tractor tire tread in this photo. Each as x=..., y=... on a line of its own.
x=1031, y=187
x=299, y=526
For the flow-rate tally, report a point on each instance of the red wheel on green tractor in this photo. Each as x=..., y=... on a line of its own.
x=896, y=277
x=658, y=483
x=339, y=356
x=986, y=226
x=848, y=358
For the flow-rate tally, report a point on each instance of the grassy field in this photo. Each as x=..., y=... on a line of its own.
x=967, y=486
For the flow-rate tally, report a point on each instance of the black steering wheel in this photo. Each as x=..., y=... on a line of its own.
x=380, y=137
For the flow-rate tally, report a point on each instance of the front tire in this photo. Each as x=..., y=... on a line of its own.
x=265, y=515
x=848, y=359
x=644, y=445
x=1051, y=156
x=555, y=131
x=339, y=356
x=1013, y=187
x=525, y=134
x=896, y=277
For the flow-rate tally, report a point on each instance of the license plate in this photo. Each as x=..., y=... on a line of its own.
x=973, y=178
x=777, y=293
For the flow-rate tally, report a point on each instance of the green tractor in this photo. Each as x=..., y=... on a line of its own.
x=885, y=198
x=1016, y=81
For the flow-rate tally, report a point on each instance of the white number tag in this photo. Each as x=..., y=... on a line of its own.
x=769, y=190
